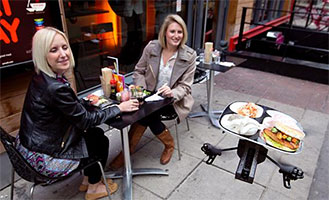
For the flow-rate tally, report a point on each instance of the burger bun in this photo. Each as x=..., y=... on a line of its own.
x=289, y=131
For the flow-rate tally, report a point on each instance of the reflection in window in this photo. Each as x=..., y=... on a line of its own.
x=121, y=29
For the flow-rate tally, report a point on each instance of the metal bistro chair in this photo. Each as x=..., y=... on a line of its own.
x=28, y=173
x=175, y=117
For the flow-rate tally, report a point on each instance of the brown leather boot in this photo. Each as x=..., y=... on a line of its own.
x=166, y=138
x=135, y=133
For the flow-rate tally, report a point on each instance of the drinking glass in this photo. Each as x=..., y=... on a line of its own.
x=201, y=57
x=140, y=94
x=125, y=95
x=216, y=56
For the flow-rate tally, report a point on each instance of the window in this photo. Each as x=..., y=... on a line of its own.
x=120, y=29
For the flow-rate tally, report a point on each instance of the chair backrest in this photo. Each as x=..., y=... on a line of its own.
x=199, y=75
x=21, y=166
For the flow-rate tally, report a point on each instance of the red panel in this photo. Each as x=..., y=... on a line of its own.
x=256, y=31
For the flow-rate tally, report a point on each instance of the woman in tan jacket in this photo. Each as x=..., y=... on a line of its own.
x=167, y=66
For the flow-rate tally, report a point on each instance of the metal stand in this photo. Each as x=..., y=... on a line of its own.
x=251, y=155
x=128, y=172
x=207, y=111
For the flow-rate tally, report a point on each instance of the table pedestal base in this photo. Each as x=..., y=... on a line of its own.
x=127, y=178
x=137, y=172
x=128, y=172
x=213, y=115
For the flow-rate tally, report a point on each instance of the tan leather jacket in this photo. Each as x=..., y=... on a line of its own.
x=147, y=70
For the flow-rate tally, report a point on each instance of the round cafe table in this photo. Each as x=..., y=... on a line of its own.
x=122, y=123
x=208, y=110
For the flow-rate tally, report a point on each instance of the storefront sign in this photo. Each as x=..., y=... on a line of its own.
x=19, y=20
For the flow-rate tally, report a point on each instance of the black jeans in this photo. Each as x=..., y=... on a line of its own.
x=154, y=120
x=98, y=147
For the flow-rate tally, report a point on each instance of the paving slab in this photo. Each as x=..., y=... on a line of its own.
x=210, y=182
x=229, y=161
x=149, y=156
x=192, y=141
x=315, y=121
x=270, y=194
x=320, y=183
x=138, y=193
x=225, y=97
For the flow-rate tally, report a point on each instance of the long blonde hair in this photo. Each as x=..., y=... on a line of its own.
x=41, y=43
x=169, y=20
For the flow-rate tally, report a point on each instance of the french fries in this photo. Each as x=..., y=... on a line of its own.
x=248, y=110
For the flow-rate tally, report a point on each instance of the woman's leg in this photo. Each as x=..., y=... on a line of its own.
x=162, y=133
x=137, y=130
x=97, y=145
x=154, y=120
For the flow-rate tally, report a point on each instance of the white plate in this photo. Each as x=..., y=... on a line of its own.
x=239, y=124
x=279, y=116
x=101, y=103
x=235, y=106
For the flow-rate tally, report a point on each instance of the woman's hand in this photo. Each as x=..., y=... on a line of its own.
x=128, y=106
x=165, y=91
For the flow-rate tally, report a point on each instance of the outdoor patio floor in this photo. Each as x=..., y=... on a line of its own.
x=191, y=178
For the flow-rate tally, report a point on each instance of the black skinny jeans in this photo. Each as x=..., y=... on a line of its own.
x=98, y=147
x=154, y=120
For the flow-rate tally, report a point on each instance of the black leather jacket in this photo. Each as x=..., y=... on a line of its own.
x=53, y=119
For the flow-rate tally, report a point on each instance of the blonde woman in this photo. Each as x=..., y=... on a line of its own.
x=57, y=132
x=167, y=65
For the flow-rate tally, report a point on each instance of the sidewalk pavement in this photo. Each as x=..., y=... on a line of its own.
x=191, y=178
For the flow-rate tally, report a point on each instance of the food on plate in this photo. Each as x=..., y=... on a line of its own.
x=146, y=93
x=132, y=87
x=93, y=98
x=276, y=115
x=283, y=137
x=239, y=124
x=271, y=121
x=247, y=109
x=249, y=129
x=97, y=100
x=138, y=91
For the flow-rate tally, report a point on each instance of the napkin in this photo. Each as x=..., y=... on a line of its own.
x=227, y=64
x=154, y=97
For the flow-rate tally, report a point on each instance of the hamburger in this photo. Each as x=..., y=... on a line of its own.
x=283, y=137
